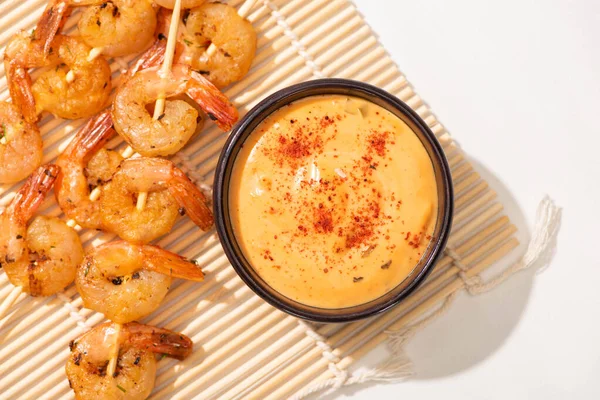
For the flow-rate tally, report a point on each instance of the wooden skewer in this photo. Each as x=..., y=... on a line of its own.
x=94, y=53
x=141, y=200
x=112, y=363
x=159, y=107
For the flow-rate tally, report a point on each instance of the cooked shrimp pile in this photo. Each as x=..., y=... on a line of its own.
x=97, y=187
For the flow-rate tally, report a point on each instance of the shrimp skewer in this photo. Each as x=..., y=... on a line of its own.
x=135, y=373
x=174, y=128
x=159, y=106
x=170, y=52
x=170, y=193
x=126, y=282
x=149, y=136
x=232, y=41
x=41, y=258
x=85, y=96
x=158, y=110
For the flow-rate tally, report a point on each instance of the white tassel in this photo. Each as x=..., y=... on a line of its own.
x=398, y=338
x=541, y=247
x=396, y=369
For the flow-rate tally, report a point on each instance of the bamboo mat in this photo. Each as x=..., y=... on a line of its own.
x=243, y=347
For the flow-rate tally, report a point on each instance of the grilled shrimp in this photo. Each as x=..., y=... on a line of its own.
x=21, y=145
x=102, y=167
x=234, y=37
x=22, y=53
x=83, y=97
x=126, y=282
x=136, y=364
x=173, y=129
x=120, y=27
x=72, y=189
x=170, y=193
x=43, y=257
x=170, y=4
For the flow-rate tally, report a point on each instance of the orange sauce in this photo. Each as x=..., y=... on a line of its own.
x=333, y=201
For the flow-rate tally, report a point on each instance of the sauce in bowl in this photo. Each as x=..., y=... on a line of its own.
x=333, y=201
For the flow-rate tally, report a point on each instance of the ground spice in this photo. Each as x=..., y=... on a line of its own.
x=377, y=142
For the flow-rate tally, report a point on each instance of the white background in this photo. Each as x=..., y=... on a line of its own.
x=517, y=83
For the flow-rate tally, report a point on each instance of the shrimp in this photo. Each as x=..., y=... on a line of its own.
x=170, y=193
x=126, y=281
x=72, y=189
x=21, y=146
x=41, y=258
x=102, y=167
x=136, y=364
x=83, y=97
x=170, y=4
x=234, y=37
x=173, y=129
x=23, y=52
x=120, y=27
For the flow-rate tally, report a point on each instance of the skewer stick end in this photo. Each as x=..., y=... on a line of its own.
x=95, y=195
x=141, y=201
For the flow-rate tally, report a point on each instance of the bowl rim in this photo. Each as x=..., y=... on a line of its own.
x=281, y=98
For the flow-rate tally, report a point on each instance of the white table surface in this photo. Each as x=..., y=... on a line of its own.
x=517, y=83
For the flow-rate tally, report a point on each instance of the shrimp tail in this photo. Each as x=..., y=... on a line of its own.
x=51, y=23
x=192, y=200
x=95, y=133
x=212, y=101
x=153, y=57
x=163, y=21
x=158, y=340
x=19, y=86
x=33, y=192
x=167, y=263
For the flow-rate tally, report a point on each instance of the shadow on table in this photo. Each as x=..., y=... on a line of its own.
x=475, y=327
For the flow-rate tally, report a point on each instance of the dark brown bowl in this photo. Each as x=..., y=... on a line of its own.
x=221, y=198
